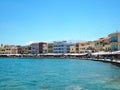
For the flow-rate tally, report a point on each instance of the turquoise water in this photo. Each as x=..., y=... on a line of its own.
x=58, y=74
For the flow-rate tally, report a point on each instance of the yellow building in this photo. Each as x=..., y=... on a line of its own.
x=2, y=49
x=50, y=47
x=72, y=49
x=91, y=46
x=107, y=47
x=10, y=49
x=102, y=44
x=82, y=47
x=99, y=44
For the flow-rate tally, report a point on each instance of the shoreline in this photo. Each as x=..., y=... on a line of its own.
x=81, y=57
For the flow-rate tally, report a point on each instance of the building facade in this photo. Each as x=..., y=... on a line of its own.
x=82, y=47
x=34, y=48
x=91, y=46
x=10, y=49
x=50, y=47
x=24, y=49
x=43, y=48
x=37, y=48
x=2, y=49
x=102, y=44
x=115, y=41
x=99, y=44
x=62, y=47
x=73, y=49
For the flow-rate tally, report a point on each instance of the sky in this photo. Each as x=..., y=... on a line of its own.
x=24, y=21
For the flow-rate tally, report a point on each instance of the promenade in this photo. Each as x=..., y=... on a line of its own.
x=111, y=57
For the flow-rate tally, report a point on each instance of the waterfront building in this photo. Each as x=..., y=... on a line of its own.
x=82, y=47
x=34, y=48
x=7, y=49
x=2, y=49
x=37, y=48
x=29, y=49
x=50, y=47
x=77, y=48
x=99, y=44
x=107, y=47
x=115, y=41
x=62, y=47
x=73, y=49
x=102, y=44
x=106, y=44
x=24, y=50
x=14, y=50
x=91, y=46
x=10, y=49
x=19, y=49
x=43, y=48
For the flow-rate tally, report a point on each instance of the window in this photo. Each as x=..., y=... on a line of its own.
x=114, y=47
x=114, y=39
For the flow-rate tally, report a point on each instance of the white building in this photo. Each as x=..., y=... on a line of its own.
x=61, y=47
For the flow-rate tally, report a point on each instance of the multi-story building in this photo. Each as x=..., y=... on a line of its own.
x=37, y=48
x=34, y=48
x=73, y=49
x=29, y=49
x=91, y=46
x=43, y=48
x=107, y=47
x=106, y=44
x=7, y=49
x=19, y=50
x=24, y=50
x=50, y=47
x=14, y=50
x=2, y=49
x=99, y=44
x=102, y=44
x=62, y=47
x=10, y=49
x=115, y=41
x=82, y=47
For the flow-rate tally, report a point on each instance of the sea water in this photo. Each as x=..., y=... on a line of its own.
x=58, y=74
